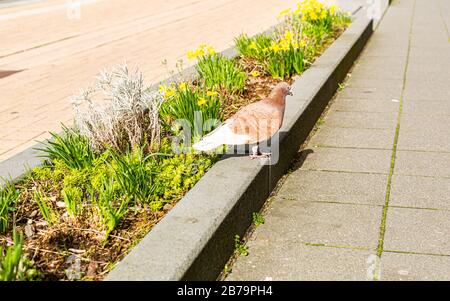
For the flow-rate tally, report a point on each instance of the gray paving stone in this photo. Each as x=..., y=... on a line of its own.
x=321, y=223
x=384, y=51
x=429, y=38
x=432, y=53
x=418, y=163
x=354, y=137
x=387, y=93
x=425, y=84
x=291, y=261
x=418, y=230
x=350, y=160
x=398, y=266
x=427, y=107
x=303, y=185
x=423, y=192
x=362, y=120
x=380, y=72
x=365, y=105
x=426, y=133
x=368, y=82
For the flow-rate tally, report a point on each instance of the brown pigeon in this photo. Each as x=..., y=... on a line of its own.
x=253, y=123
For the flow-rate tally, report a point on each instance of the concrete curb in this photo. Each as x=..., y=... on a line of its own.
x=196, y=239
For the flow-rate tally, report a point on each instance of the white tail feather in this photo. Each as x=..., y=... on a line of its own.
x=221, y=135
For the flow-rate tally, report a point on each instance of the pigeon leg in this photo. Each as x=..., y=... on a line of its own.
x=257, y=154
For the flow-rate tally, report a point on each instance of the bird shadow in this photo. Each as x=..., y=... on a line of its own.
x=299, y=159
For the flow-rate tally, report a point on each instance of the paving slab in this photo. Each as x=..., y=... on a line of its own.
x=292, y=261
x=385, y=93
x=332, y=224
x=414, y=267
x=422, y=192
x=426, y=133
x=368, y=81
x=348, y=160
x=417, y=230
x=417, y=163
x=419, y=88
x=427, y=107
x=360, y=188
x=361, y=120
x=365, y=105
x=354, y=138
x=380, y=72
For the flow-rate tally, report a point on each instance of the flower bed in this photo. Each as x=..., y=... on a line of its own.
x=108, y=180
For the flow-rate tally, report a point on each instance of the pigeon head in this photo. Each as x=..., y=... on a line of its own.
x=279, y=92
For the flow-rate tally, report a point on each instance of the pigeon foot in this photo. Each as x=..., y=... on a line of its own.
x=257, y=154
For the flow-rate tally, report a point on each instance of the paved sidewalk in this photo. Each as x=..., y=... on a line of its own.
x=48, y=54
x=371, y=197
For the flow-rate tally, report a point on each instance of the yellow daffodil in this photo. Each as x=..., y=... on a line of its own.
x=211, y=93
x=167, y=91
x=288, y=35
x=275, y=47
x=191, y=54
x=254, y=73
x=323, y=14
x=333, y=9
x=253, y=45
x=210, y=50
x=284, y=44
x=201, y=101
x=201, y=50
x=182, y=86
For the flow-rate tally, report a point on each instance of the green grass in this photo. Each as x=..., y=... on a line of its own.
x=70, y=147
x=253, y=47
x=14, y=265
x=191, y=111
x=8, y=196
x=112, y=206
x=134, y=176
x=47, y=212
x=73, y=197
x=218, y=72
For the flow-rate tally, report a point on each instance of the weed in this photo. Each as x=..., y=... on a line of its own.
x=49, y=215
x=241, y=248
x=342, y=86
x=258, y=219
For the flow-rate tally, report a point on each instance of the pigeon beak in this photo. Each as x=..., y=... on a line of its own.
x=290, y=93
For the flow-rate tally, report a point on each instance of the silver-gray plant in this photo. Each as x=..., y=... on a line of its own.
x=119, y=111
